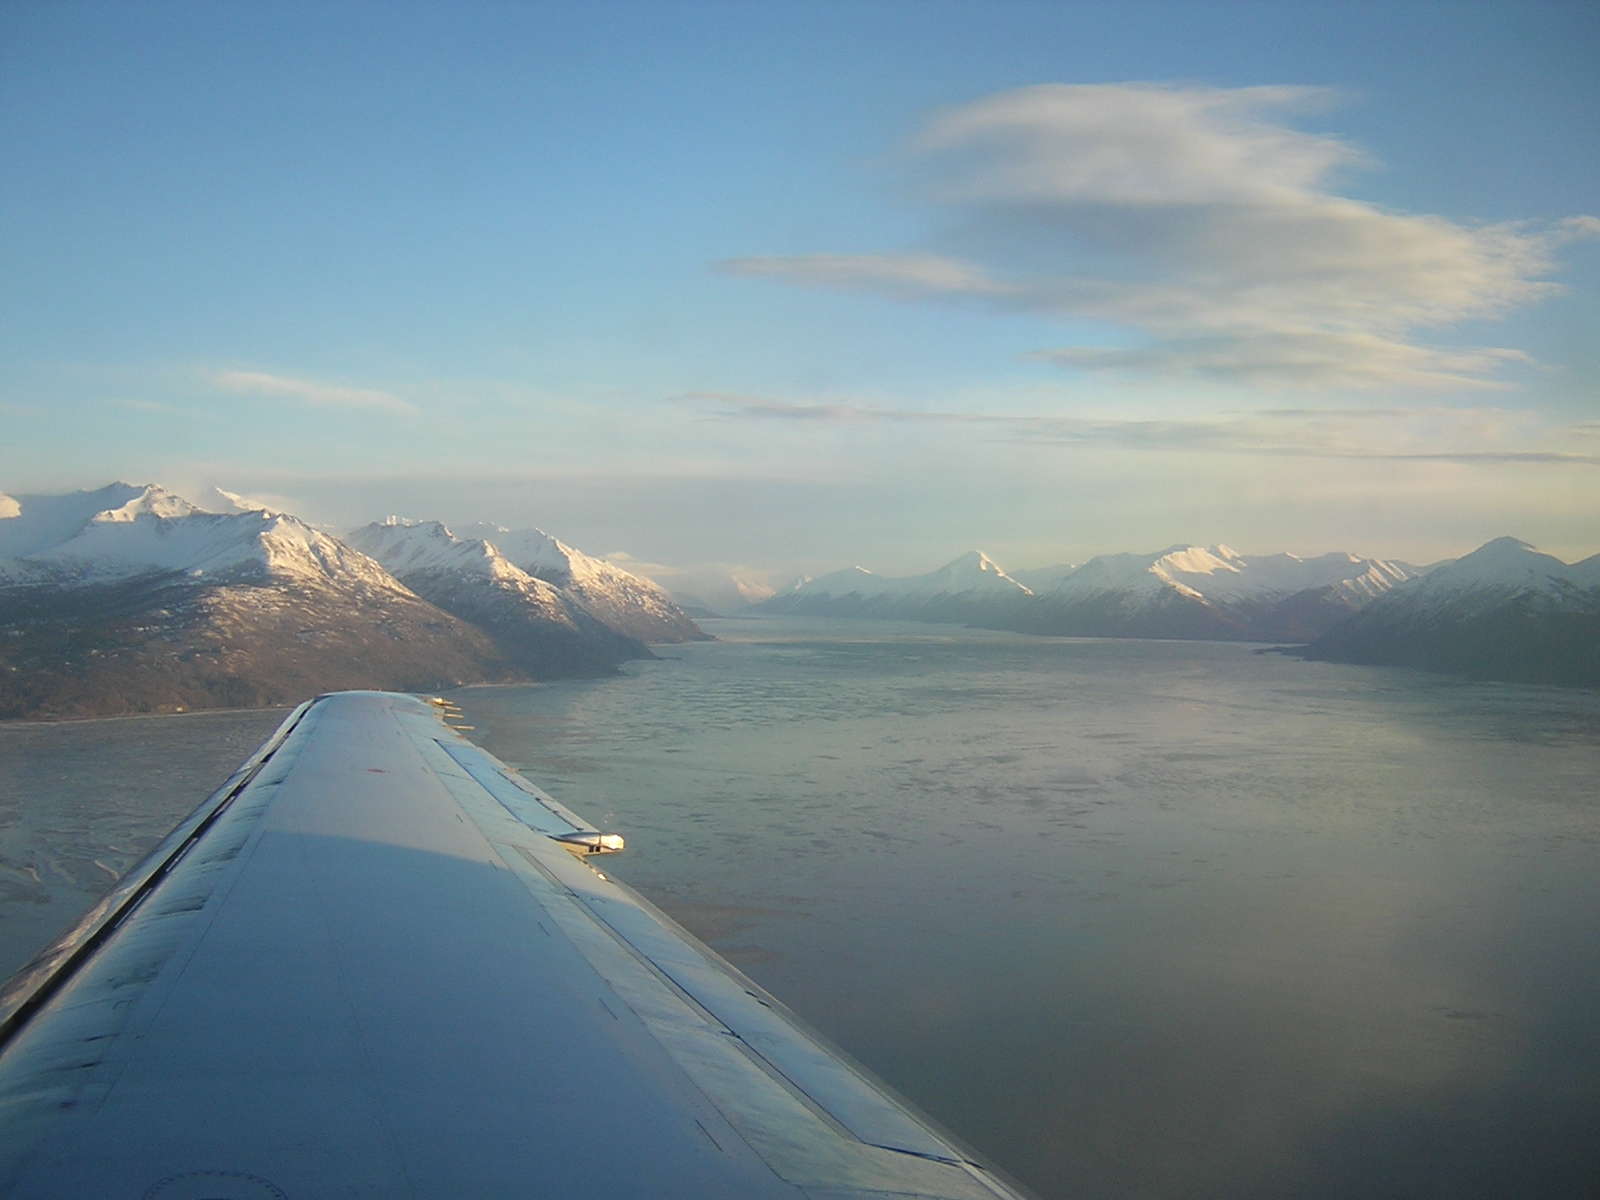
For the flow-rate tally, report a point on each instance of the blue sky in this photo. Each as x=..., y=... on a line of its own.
x=742, y=289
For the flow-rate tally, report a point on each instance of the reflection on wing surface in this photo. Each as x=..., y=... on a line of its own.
x=377, y=963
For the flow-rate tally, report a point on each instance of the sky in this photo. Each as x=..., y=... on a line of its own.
x=735, y=292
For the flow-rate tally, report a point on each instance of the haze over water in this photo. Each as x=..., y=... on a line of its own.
x=1135, y=919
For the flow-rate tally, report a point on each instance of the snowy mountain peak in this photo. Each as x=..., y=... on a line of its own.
x=291, y=549
x=1196, y=560
x=152, y=501
x=1221, y=575
x=1043, y=579
x=975, y=560
x=1505, y=544
x=215, y=500
x=1505, y=565
x=1505, y=611
x=532, y=560
x=974, y=569
x=972, y=572
x=404, y=546
x=121, y=531
x=37, y=523
x=535, y=551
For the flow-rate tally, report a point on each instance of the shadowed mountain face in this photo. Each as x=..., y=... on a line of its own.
x=1503, y=612
x=1166, y=614
x=164, y=643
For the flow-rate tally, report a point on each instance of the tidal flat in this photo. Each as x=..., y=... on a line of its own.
x=1133, y=919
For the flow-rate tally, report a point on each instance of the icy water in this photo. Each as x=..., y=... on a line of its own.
x=1153, y=920
x=1135, y=919
x=82, y=801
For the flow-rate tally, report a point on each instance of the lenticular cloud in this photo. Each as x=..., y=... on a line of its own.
x=1203, y=228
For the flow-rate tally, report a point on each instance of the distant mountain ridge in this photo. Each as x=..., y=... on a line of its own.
x=1505, y=612
x=1179, y=592
x=130, y=598
x=971, y=589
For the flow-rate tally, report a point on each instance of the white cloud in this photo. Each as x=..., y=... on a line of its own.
x=1283, y=360
x=1415, y=434
x=308, y=391
x=155, y=407
x=1196, y=222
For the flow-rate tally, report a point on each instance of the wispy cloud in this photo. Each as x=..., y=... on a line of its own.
x=1197, y=223
x=1475, y=435
x=155, y=407
x=309, y=391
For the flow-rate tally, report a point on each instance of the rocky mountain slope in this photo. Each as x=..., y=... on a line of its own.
x=540, y=628
x=130, y=599
x=1179, y=592
x=1503, y=612
x=623, y=601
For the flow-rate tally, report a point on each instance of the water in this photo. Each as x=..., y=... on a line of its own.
x=1154, y=920
x=1135, y=919
x=82, y=801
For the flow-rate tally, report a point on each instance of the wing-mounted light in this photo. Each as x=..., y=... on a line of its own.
x=584, y=842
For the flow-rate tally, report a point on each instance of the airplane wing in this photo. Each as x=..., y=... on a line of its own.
x=378, y=963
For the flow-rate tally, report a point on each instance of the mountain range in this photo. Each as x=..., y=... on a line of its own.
x=1179, y=592
x=133, y=599
x=1505, y=611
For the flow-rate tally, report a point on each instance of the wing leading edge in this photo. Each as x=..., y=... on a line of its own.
x=377, y=963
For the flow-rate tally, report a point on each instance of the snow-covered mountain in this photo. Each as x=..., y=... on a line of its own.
x=630, y=605
x=1181, y=591
x=1222, y=576
x=121, y=532
x=1043, y=579
x=1497, y=571
x=972, y=573
x=536, y=624
x=131, y=598
x=971, y=589
x=1209, y=592
x=1506, y=611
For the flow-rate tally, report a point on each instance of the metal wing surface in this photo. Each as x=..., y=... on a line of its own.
x=377, y=963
